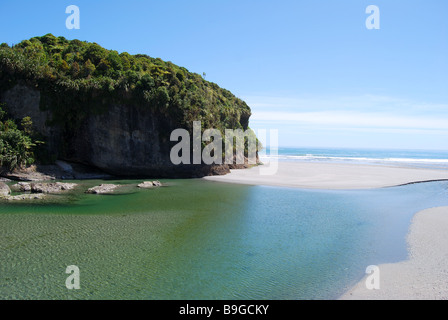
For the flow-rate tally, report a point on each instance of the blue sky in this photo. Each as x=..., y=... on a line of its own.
x=310, y=69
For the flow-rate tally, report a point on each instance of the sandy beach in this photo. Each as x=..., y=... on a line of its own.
x=332, y=176
x=424, y=276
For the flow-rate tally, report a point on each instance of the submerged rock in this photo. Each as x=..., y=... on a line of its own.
x=103, y=188
x=4, y=189
x=150, y=184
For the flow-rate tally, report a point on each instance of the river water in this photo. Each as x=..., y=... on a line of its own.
x=196, y=239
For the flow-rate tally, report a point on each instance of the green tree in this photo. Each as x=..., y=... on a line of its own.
x=27, y=125
x=75, y=70
x=89, y=68
x=16, y=146
x=95, y=53
x=161, y=97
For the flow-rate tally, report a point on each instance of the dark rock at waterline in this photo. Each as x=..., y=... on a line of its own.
x=61, y=171
x=31, y=173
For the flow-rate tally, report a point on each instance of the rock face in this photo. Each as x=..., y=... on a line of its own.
x=4, y=189
x=103, y=188
x=125, y=140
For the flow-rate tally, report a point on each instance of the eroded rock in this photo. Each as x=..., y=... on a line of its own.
x=4, y=189
x=56, y=187
x=53, y=187
x=21, y=187
x=150, y=184
x=103, y=188
x=29, y=196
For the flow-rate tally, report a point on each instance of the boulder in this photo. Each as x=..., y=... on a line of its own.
x=157, y=183
x=146, y=185
x=103, y=188
x=150, y=184
x=29, y=196
x=4, y=189
x=22, y=187
x=53, y=187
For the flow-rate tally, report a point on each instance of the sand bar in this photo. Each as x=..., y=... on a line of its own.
x=425, y=275
x=311, y=175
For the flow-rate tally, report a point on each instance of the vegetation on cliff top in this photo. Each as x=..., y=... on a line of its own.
x=77, y=78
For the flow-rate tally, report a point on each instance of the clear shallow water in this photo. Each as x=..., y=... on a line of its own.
x=197, y=239
x=431, y=159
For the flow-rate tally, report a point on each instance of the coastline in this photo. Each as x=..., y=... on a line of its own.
x=311, y=175
x=424, y=276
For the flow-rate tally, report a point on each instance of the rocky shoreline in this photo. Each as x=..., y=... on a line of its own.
x=39, y=190
x=37, y=181
x=61, y=170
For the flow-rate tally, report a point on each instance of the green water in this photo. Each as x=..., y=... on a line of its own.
x=194, y=239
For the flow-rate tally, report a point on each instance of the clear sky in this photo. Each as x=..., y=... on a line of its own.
x=309, y=68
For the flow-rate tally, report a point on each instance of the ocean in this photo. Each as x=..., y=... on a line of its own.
x=431, y=159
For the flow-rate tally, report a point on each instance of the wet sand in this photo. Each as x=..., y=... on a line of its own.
x=424, y=276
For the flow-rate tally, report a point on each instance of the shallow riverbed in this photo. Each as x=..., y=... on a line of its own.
x=196, y=239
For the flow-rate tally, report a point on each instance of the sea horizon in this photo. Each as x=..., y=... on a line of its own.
x=429, y=159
